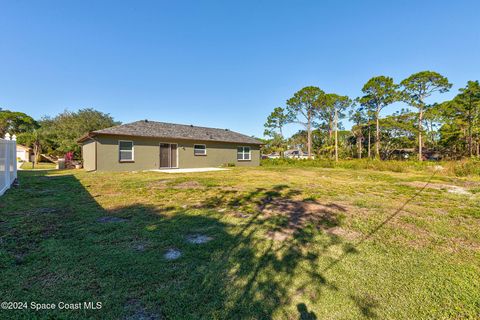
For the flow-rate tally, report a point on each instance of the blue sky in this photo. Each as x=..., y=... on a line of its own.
x=221, y=63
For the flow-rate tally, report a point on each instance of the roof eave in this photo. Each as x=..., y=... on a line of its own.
x=86, y=137
x=93, y=134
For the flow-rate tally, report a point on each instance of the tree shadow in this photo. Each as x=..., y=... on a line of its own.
x=304, y=314
x=281, y=228
x=57, y=247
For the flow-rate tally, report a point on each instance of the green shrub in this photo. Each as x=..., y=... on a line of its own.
x=457, y=168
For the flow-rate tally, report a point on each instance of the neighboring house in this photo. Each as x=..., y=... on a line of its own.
x=273, y=155
x=24, y=153
x=297, y=154
x=146, y=145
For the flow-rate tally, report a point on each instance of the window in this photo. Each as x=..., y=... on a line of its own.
x=199, y=149
x=243, y=153
x=125, y=149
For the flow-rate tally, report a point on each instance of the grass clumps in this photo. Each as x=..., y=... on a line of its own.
x=273, y=242
x=461, y=168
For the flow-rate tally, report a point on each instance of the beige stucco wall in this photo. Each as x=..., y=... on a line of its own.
x=147, y=154
x=23, y=154
x=88, y=155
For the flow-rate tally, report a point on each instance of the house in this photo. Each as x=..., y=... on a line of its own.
x=296, y=154
x=146, y=145
x=24, y=153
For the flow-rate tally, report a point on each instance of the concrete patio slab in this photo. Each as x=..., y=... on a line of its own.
x=189, y=170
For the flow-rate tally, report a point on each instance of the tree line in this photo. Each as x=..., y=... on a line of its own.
x=53, y=135
x=450, y=129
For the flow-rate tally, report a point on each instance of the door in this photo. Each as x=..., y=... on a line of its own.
x=173, y=155
x=168, y=155
x=164, y=155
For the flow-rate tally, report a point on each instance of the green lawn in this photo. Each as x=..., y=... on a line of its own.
x=285, y=243
x=38, y=166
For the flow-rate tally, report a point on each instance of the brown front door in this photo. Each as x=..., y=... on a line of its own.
x=173, y=155
x=168, y=155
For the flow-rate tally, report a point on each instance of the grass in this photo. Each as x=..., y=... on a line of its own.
x=38, y=166
x=463, y=168
x=287, y=243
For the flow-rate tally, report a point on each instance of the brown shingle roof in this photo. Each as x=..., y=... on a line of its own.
x=146, y=128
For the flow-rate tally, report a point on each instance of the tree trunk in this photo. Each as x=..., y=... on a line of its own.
x=336, y=135
x=359, y=147
x=377, y=137
x=309, y=137
x=420, y=128
x=282, y=147
x=470, y=136
x=369, y=138
x=36, y=153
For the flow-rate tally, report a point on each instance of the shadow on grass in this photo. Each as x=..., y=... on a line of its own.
x=54, y=248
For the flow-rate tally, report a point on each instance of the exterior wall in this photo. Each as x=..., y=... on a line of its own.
x=88, y=155
x=23, y=154
x=147, y=154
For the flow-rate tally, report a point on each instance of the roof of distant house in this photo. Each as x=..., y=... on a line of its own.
x=154, y=129
x=19, y=146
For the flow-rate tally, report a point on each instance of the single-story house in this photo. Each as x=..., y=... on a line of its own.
x=146, y=145
x=296, y=154
x=24, y=153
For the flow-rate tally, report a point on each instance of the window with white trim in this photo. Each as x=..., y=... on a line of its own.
x=243, y=153
x=125, y=151
x=199, y=149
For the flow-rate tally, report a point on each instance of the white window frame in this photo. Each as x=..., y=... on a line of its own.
x=133, y=151
x=244, y=153
x=199, y=144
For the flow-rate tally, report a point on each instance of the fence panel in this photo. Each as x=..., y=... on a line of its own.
x=8, y=163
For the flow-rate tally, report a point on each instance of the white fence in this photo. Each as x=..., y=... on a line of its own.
x=8, y=162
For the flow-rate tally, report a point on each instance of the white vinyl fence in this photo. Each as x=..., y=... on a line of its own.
x=8, y=162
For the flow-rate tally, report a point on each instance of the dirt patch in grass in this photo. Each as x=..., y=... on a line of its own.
x=438, y=186
x=111, y=219
x=172, y=254
x=241, y=215
x=457, y=244
x=136, y=311
x=158, y=184
x=344, y=233
x=49, y=279
x=164, y=184
x=140, y=246
x=294, y=215
x=198, y=238
x=281, y=235
x=189, y=185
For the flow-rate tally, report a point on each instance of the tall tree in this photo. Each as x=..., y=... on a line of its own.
x=298, y=139
x=336, y=106
x=469, y=101
x=276, y=121
x=379, y=92
x=462, y=114
x=367, y=111
x=15, y=122
x=359, y=117
x=416, y=89
x=398, y=133
x=66, y=128
x=33, y=139
x=274, y=127
x=303, y=107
